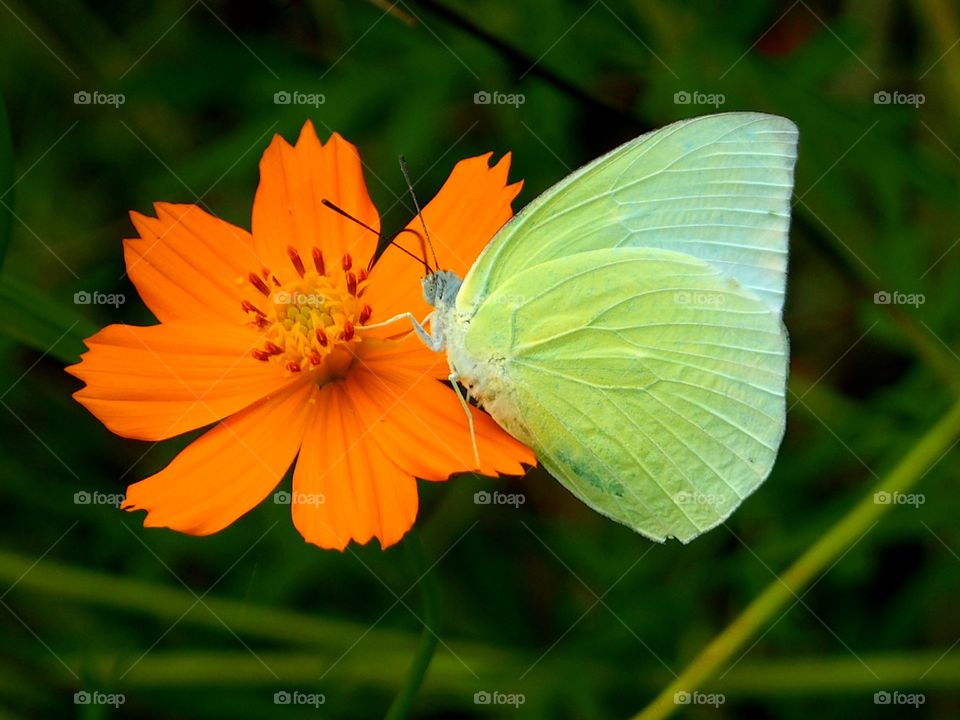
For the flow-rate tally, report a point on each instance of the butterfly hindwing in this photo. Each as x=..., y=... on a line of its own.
x=648, y=382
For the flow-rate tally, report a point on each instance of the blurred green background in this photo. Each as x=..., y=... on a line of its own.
x=548, y=600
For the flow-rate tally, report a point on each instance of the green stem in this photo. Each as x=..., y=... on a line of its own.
x=400, y=707
x=821, y=676
x=847, y=531
x=935, y=669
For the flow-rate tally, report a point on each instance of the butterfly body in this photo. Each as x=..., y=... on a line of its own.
x=482, y=375
x=626, y=325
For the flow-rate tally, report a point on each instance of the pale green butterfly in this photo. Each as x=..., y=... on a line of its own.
x=626, y=325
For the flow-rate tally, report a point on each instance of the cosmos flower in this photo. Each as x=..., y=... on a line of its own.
x=262, y=334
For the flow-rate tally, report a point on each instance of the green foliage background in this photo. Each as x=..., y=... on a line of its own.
x=582, y=617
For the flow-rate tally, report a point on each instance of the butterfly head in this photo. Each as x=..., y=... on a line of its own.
x=440, y=288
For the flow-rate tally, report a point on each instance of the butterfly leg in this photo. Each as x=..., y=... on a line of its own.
x=454, y=378
x=431, y=341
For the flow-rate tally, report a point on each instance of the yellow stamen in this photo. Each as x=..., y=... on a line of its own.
x=308, y=322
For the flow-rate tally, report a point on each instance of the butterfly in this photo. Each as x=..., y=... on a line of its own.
x=627, y=324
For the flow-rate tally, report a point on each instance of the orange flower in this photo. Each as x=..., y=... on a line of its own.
x=262, y=333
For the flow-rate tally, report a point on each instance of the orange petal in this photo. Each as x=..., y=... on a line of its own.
x=188, y=265
x=421, y=425
x=288, y=211
x=151, y=383
x=228, y=470
x=344, y=486
x=406, y=353
x=464, y=216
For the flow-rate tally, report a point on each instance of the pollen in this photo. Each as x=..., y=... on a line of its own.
x=308, y=320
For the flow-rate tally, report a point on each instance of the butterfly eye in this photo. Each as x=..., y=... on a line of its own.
x=429, y=289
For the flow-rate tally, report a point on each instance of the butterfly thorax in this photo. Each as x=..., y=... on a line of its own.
x=440, y=290
x=448, y=326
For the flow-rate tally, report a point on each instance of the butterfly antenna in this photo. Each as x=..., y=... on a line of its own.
x=348, y=216
x=406, y=177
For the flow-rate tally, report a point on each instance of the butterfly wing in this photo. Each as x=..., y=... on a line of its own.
x=716, y=187
x=648, y=382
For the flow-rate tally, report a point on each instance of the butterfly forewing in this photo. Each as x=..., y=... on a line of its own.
x=716, y=187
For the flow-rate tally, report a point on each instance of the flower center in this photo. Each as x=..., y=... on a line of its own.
x=309, y=323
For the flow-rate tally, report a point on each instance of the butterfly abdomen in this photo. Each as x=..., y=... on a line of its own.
x=482, y=374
